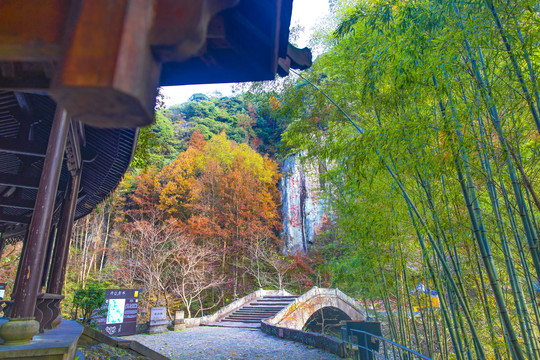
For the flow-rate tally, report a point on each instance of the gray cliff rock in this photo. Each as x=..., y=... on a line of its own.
x=302, y=208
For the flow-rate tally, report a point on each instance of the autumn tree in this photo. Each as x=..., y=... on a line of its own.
x=223, y=193
x=195, y=273
x=150, y=247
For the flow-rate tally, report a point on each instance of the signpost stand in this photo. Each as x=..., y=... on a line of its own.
x=118, y=316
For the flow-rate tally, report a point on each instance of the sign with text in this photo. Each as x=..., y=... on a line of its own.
x=158, y=316
x=118, y=316
x=2, y=290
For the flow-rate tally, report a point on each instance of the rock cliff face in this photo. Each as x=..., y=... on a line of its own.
x=302, y=209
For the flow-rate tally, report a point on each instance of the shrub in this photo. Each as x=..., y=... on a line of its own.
x=86, y=301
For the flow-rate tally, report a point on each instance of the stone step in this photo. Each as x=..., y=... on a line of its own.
x=254, y=312
x=259, y=312
x=272, y=303
x=246, y=321
x=234, y=324
x=280, y=297
x=254, y=321
x=265, y=308
x=244, y=313
x=248, y=316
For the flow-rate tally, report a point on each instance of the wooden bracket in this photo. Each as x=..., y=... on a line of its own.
x=108, y=76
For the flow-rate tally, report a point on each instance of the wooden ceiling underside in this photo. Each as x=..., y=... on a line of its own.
x=25, y=124
x=103, y=59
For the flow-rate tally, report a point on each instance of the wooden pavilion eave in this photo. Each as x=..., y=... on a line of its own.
x=25, y=122
x=103, y=59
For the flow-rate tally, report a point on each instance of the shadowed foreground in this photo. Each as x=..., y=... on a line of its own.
x=227, y=343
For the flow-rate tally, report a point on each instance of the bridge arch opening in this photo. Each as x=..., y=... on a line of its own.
x=326, y=321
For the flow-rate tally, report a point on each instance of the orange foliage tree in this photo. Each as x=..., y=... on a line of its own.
x=225, y=197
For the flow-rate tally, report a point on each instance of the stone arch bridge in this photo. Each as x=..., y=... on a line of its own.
x=281, y=309
x=318, y=302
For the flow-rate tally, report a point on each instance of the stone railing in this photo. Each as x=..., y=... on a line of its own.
x=325, y=342
x=235, y=305
x=288, y=323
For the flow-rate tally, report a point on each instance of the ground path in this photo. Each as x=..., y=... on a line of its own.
x=227, y=343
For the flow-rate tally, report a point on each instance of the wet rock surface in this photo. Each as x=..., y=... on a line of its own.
x=227, y=343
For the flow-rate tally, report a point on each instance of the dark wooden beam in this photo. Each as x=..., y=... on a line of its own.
x=16, y=146
x=2, y=245
x=109, y=75
x=15, y=203
x=47, y=264
x=301, y=59
x=73, y=148
x=12, y=219
x=102, y=59
x=30, y=270
x=19, y=181
x=63, y=239
x=25, y=81
x=32, y=30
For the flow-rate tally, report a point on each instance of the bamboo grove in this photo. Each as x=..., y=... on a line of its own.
x=435, y=177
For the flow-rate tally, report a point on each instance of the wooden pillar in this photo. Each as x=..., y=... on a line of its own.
x=2, y=245
x=63, y=239
x=19, y=266
x=47, y=263
x=29, y=278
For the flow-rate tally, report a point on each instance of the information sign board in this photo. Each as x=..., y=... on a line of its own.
x=118, y=316
x=2, y=290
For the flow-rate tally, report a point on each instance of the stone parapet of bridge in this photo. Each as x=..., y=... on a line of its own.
x=297, y=313
x=235, y=305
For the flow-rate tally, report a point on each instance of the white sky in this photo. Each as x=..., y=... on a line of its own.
x=306, y=13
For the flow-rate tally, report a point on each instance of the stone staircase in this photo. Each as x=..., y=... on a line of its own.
x=251, y=314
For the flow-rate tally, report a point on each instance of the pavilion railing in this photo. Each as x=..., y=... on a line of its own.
x=367, y=346
x=47, y=312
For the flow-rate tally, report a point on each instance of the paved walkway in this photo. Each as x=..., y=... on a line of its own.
x=227, y=343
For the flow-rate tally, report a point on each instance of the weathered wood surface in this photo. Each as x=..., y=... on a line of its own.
x=102, y=60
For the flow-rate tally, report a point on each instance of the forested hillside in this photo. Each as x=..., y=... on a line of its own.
x=251, y=122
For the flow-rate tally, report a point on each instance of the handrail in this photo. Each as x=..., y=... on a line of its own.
x=384, y=341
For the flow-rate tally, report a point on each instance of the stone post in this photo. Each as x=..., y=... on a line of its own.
x=179, y=323
x=158, y=320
